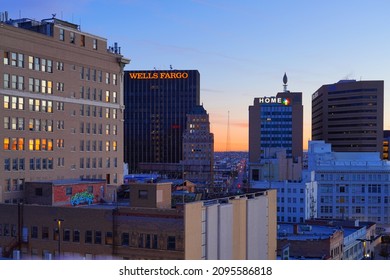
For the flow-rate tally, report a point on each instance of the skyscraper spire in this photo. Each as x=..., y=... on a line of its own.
x=285, y=82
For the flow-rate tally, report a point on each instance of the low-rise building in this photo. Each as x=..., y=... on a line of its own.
x=231, y=227
x=327, y=239
x=353, y=185
x=65, y=192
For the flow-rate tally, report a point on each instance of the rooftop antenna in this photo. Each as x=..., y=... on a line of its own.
x=285, y=82
x=228, y=134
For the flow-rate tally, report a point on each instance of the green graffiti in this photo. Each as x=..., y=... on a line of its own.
x=82, y=197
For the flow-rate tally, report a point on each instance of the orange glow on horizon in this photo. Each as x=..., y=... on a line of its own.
x=239, y=138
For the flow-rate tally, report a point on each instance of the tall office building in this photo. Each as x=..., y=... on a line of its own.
x=276, y=122
x=157, y=103
x=349, y=115
x=61, y=105
x=198, y=148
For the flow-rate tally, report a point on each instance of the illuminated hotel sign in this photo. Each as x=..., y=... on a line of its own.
x=158, y=75
x=275, y=100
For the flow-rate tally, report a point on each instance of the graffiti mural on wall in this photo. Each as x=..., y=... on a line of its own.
x=82, y=198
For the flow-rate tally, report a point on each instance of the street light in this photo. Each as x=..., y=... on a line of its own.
x=364, y=241
x=59, y=221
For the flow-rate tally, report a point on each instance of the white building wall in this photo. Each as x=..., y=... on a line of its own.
x=257, y=232
x=212, y=232
x=225, y=231
x=350, y=185
x=296, y=201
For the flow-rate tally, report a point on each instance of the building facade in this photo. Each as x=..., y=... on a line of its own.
x=61, y=105
x=349, y=115
x=276, y=122
x=198, y=148
x=236, y=227
x=296, y=201
x=350, y=185
x=157, y=103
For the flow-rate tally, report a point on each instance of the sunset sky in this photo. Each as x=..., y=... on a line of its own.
x=241, y=48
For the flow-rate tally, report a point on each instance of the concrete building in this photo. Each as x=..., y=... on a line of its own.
x=276, y=167
x=349, y=115
x=157, y=103
x=198, y=148
x=61, y=105
x=325, y=239
x=296, y=201
x=235, y=227
x=311, y=242
x=353, y=185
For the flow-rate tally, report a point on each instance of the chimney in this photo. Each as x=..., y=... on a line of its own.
x=295, y=228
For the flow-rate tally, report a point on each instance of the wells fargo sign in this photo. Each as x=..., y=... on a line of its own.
x=158, y=75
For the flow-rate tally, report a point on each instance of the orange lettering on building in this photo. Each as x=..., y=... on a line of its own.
x=163, y=75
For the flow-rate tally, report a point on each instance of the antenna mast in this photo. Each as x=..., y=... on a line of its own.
x=228, y=134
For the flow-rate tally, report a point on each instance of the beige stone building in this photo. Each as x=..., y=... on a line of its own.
x=61, y=101
x=198, y=148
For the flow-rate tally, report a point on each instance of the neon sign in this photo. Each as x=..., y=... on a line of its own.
x=275, y=100
x=158, y=75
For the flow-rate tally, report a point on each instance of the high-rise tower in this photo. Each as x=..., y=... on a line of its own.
x=349, y=115
x=276, y=122
x=61, y=105
x=157, y=103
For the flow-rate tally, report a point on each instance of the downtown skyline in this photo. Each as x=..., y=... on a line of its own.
x=240, y=49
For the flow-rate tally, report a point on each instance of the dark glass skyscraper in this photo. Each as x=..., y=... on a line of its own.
x=156, y=104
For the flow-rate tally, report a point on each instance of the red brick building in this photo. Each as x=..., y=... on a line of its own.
x=65, y=192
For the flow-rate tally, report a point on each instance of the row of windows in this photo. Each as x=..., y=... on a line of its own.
x=353, y=90
x=370, y=210
x=354, y=177
x=289, y=210
x=36, y=105
x=352, y=105
x=14, y=164
x=361, y=125
x=348, y=112
x=356, y=199
x=14, y=185
x=34, y=63
x=290, y=200
x=17, y=144
x=97, y=76
x=88, y=163
x=289, y=219
x=97, y=95
x=18, y=164
x=87, y=110
x=14, y=144
x=140, y=240
x=325, y=188
x=94, y=128
x=13, y=59
x=353, y=97
x=354, y=132
x=15, y=123
x=72, y=39
x=88, y=145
